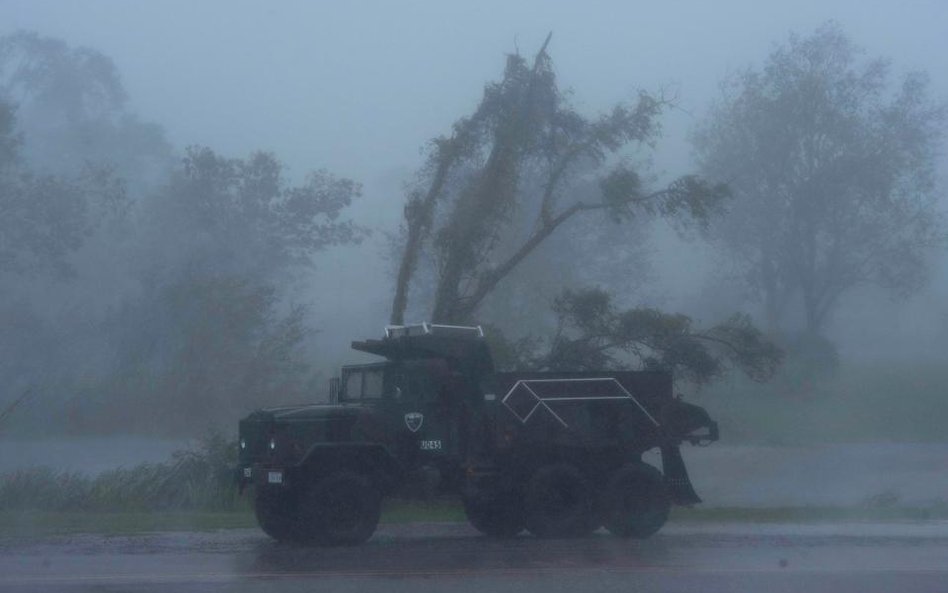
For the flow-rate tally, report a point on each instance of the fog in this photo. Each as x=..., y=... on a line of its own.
x=359, y=89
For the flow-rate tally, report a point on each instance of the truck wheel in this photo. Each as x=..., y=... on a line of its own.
x=277, y=513
x=495, y=515
x=342, y=509
x=558, y=502
x=635, y=501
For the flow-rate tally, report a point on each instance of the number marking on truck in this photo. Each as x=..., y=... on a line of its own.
x=430, y=445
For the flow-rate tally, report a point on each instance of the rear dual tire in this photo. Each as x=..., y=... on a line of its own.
x=635, y=502
x=560, y=501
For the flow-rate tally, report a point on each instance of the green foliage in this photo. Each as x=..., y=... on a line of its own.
x=686, y=201
x=511, y=354
x=180, y=312
x=229, y=348
x=213, y=333
x=195, y=479
x=515, y=171
x=617, y=187
x=242, y=216
x=832, y=167
x=593, y=334
x=72, y=108
x=24, y=525
x=45, y=219
x=213, y=347
x=47, y=68
x=9, y=141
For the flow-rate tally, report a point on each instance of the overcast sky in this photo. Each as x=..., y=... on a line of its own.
x=358, y=87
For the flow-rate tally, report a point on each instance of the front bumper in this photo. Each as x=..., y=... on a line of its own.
x=263, y=476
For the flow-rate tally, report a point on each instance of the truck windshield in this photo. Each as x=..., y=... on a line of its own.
x=364, y=383
x=354, y=385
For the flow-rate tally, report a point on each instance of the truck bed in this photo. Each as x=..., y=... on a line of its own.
x=593, y=408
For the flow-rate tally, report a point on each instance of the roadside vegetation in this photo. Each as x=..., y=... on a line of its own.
x=198, y=479
x=27, y=524
x=194, y=490
x=861, y=402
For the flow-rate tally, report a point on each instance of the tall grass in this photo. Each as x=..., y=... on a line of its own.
x=200, y=478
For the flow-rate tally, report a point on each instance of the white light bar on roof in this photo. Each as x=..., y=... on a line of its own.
x=424, y=329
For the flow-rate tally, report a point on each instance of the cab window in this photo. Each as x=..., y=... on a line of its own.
x=354, y=385
x=365, y=383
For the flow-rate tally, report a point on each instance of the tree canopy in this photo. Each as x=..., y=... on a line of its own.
x=832, y=169
x=216, y=326
x=44, y=219
x=593, y=334
x=72, y=104
x=184, y=304
x=243, y=216
x=526, y=149
x=516, y=171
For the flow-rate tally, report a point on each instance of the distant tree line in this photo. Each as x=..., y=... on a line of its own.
x=831, y=164
x=140, y=289
x=816, y=178
x=145, y=288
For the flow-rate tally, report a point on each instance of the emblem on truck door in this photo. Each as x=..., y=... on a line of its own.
x=413, y=420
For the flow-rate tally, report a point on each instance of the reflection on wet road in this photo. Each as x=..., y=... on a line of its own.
x=450, y=557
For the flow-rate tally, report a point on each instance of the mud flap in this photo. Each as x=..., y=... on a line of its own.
x=676, y=477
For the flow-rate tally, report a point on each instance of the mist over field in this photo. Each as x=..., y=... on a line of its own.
x=204, y=203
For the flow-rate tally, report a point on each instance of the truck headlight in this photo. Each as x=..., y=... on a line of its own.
x=273, y=444
x=243, y=444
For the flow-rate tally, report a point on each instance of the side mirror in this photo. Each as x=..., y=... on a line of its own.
x=334, y=390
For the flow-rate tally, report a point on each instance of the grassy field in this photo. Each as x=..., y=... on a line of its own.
x=28, y=523
x=31, y=524
x=861, y=403
x=806, y=514
x=193, y=490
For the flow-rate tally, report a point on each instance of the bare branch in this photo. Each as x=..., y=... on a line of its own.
x=12, y=406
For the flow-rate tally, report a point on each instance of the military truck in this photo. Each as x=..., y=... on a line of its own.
x=558, y=454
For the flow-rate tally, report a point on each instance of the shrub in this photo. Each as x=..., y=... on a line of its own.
x=199, y=478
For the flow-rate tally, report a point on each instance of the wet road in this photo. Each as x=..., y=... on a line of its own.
x=451, y=558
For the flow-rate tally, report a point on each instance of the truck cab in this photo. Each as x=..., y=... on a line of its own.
x=420, y=408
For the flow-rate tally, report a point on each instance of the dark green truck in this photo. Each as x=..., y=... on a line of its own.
x=557, y=454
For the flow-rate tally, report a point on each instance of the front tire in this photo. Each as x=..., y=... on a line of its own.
x=635, y=501
x=558, y=502
x=277, y=513
x=342, y=509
